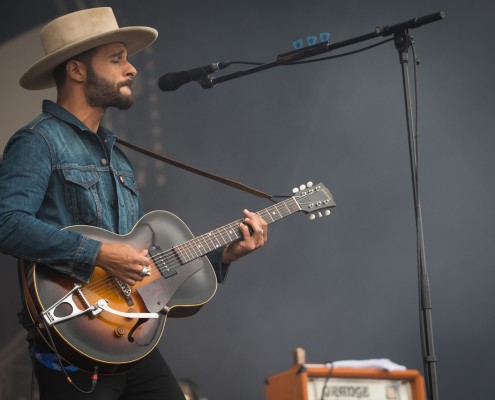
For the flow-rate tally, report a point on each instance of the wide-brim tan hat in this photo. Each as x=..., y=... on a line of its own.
x=74, y=33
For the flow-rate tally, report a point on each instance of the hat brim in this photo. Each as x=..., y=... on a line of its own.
x=40, y=75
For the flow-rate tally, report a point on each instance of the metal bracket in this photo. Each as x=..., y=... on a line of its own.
x=103, y=305
x=49, y=314
x=51, y=319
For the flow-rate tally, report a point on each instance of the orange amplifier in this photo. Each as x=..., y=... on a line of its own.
x=323, y=382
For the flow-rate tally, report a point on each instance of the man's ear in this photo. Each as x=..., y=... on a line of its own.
x=76, y=71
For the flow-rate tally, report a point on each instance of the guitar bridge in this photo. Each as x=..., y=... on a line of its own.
x=126, y=291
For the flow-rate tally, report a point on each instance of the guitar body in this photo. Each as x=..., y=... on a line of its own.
x=111, y=341
x=108, y=324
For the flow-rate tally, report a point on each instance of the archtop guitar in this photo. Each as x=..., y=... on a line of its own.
x=111, y=325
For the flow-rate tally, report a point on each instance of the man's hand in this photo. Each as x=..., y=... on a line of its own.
x=254, y=235
x=123, y=262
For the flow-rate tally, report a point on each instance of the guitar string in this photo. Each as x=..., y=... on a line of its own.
x=195, y=247
x=192, y=244
x=166, y=255
x=172, y=258
x=171, y=255
x=107, y=284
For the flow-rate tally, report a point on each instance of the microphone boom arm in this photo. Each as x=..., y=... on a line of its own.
x=321, y=48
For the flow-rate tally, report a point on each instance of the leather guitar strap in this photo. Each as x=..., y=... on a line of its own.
x=189, y=168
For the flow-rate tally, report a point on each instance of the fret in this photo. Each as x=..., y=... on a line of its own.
x=208, y=238
x=278, y=211
x=288, y=209
x=267, y=214
x=199, y=247
x=191, y=254
x=225, y=234
x=181, y=251
x=222, y=235
x=232, y=232
x=215, y=236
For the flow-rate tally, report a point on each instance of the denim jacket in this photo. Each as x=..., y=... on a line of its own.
x=56, y=173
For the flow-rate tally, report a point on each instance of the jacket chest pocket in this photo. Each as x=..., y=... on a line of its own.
x=129, y=195
x=81, y=196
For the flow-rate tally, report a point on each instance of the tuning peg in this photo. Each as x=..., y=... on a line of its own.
x=312, y=217
x=309, y=184
x=320, y=214
x=302, y=187
x=295, y=190
x=327, y=213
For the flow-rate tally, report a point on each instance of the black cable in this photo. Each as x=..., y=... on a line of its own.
x=247, y=62
x=325, y=384
x=343, y=54
x=322, y=58
x=94, y=376
x=32, y=368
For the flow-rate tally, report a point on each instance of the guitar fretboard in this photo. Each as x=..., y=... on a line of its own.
x=202, y=245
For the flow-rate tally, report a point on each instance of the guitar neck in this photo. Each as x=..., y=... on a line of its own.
x=202, y=245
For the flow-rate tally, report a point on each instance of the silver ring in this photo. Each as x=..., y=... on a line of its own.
x=145, y=271
x=262, y=232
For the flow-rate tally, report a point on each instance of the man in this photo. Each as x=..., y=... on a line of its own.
x=64, y=169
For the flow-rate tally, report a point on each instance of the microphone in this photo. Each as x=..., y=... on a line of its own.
x=173, y=80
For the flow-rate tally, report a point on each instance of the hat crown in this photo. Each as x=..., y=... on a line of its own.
x=74, y=33
x=77, y=27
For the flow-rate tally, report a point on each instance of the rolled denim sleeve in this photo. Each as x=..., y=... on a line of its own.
x=24, y=179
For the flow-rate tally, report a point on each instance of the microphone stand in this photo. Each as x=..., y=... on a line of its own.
x=402, y=42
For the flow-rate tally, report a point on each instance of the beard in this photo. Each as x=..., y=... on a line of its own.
x=103, y=93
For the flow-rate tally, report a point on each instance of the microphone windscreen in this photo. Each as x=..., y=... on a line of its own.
x=173, y=80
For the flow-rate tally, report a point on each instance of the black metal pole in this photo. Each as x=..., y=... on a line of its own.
x=402, y=43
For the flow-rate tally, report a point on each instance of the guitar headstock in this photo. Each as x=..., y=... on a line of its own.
x=312, y=199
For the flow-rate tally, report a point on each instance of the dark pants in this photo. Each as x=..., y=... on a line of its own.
x=151, y=379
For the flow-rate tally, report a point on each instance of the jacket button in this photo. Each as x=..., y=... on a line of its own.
x=103, y=161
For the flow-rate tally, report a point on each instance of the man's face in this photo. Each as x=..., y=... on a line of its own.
x=109, y=78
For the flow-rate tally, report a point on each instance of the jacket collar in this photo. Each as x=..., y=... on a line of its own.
x=50, y=107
